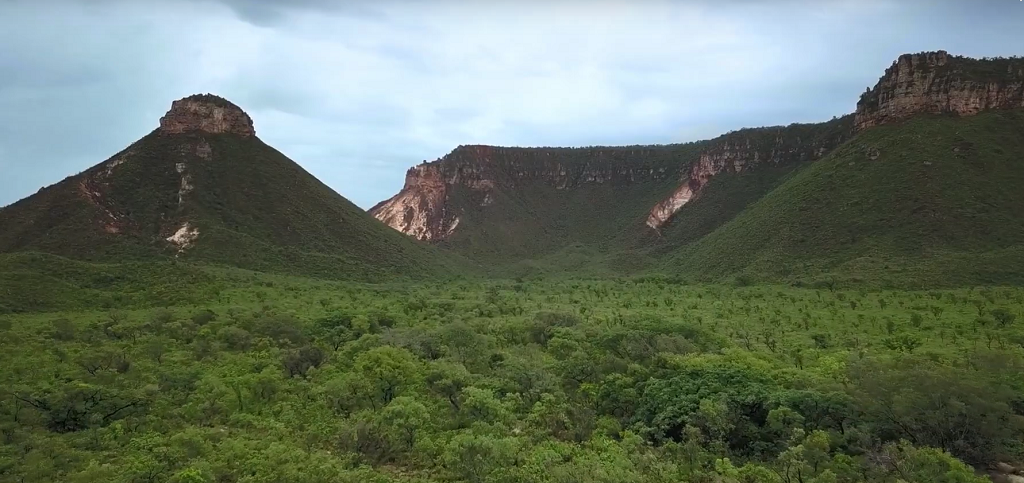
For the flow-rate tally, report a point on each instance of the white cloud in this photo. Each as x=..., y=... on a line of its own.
x=357, y=92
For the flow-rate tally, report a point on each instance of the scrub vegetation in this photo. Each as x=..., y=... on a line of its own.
x=266, y=378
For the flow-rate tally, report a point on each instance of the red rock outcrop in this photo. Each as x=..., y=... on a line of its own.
x=419, y=210
x=207, y=113
x=938, y=83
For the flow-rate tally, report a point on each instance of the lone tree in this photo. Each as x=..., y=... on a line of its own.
x=1003, y=317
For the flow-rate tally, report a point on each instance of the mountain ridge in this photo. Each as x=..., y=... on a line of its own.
x=503, y=218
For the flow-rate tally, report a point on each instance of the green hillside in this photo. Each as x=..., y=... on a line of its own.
x=31, y=282
x=583, y=211
x=279, y=218
x=537, y=220
x=249, y=205
x=935, y=200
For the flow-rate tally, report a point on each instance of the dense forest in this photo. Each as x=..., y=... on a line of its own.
x=277, y=379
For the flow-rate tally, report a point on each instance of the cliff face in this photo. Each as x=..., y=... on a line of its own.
x=747, y=149
x=424, y=208
x=436, y=195
x=937, y=83
x=206, y=113
x=419, y=210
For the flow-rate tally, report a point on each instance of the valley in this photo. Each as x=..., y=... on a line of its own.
x=837, y=302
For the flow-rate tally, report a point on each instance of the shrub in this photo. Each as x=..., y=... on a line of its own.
x=63, y=330
x=298, y=362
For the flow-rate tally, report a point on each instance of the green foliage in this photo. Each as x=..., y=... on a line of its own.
x=908, y=463
x=253, y=208
x=925, y=213
x=32, y=282
x=287, y=379
x=1003, y=317
x=573, y=211
x=908, y=205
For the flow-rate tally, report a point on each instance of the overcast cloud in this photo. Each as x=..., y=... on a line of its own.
x=356, y=92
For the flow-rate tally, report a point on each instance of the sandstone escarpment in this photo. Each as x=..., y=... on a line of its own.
x=425, y=210
x=206, y=113
x=938, y=83
x=419, y=210
x=747, y=149
x=476, y=175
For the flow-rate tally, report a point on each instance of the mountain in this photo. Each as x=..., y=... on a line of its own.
x=764, y=202
x=204, y=187
x=571, y=207
x=502, y=205
x=934, y=200
x=927, y=193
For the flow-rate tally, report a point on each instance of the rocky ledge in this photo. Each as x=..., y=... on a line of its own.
x=207, y=113
x=939, y=83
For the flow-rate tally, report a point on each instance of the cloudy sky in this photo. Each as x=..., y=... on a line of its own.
x=358, y=91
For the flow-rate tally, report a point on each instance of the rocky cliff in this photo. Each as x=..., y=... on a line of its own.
x=937, y=83
x=436, y=195
x=425, y=209
x=747, y=149
x=206, y=113
x=420, y=209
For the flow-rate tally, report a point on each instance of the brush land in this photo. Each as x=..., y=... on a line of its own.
x=195, y=373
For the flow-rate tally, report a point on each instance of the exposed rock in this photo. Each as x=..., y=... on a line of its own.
x=936, y=82
x=117, y=161
x=207, y=113
x=423, y=208
x=1005, y=468
x=203, y=150
x=669, y=206
x=186, y=182
x=93, y=187
x=746, y=149
x=419, y=209
x=185, y=237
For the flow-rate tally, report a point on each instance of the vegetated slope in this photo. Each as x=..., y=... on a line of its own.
x=35, y=282
x=532, y=217
x=739, y=168
x=499, y=206
x=935, y=200
x=590, y=211
x=204, y=187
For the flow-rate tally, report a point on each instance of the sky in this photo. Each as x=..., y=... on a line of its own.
x=358, y=91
